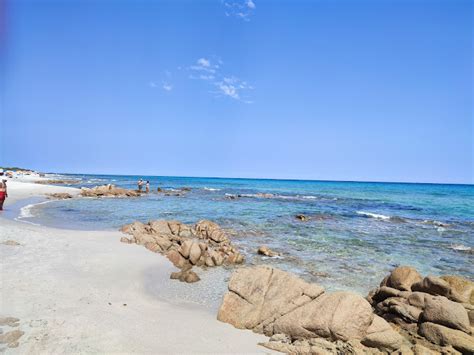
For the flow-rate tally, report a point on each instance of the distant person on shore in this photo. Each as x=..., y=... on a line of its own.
x=140, y=185
x=147, y=187
x=3, y=193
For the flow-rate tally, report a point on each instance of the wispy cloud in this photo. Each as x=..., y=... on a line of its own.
x=204, y=65
x=223, y=85
x=166, y=86
x=242, y=9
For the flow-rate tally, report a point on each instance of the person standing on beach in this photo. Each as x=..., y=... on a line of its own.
x=140, y=185
x=147, y=186
x=3, y=193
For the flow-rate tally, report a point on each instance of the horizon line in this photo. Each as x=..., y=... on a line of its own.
x=263, y=178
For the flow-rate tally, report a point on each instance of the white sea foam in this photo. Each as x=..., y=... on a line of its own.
x=211, y=189
x=26, y=212
x=310, y=197
x=435, y=223
x=373, y=215
x=460, y=247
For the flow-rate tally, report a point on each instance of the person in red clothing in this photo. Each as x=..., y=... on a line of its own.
x=3, y=193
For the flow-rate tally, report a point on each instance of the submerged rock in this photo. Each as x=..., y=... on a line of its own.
x=57, y=182
x=11, y=338
x=60, y=195
x=264, y=250
x=10, y=321
x=12, y=243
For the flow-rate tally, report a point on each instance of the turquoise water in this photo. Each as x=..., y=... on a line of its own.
x=358, y=231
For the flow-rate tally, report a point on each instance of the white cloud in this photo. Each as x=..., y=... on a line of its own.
x=241, y=9
x=233, y=87
x=206, y=77
x=152, y=84
x=203, y=62
x=205, y=65
x=212, y=72
x=166, y=86
x=228, y=90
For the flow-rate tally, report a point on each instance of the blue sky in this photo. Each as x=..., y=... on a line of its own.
x=336, y=90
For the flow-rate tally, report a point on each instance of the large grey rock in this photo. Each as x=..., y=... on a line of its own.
x=159, y=227
x=259, y=295
x=440, y=310
x=382, y=336
x=417, y=299
x=441, y=335
x=210, y=230
x=186, y=248
x=462, y=287
x=177, y=259
x=135, y=227
x=402, y=278
x=335, y=316
x=194, y=253
x=396, y=307
x=438, y=287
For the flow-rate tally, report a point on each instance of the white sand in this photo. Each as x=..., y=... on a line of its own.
x=60, y=283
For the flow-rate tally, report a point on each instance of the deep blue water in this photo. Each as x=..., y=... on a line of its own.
x=359, y=230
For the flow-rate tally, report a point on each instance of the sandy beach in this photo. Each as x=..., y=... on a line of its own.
x=85, y=292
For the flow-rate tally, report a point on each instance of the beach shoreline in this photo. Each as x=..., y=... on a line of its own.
x=84, y=291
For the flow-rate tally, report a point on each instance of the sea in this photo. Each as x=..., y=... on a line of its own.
x=355, y=232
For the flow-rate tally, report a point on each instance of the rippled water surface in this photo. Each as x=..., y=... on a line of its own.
x=356, y=233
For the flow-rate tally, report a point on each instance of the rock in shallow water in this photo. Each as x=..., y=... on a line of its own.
x=108, y=191
x=264, y=250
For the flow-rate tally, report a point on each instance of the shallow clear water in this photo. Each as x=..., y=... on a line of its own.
x=358, y=231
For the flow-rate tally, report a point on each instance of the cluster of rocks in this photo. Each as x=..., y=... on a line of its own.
x=60, y=195
x=302, y=318
x=205, y=244
x=439, y=309
x=108, y=191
